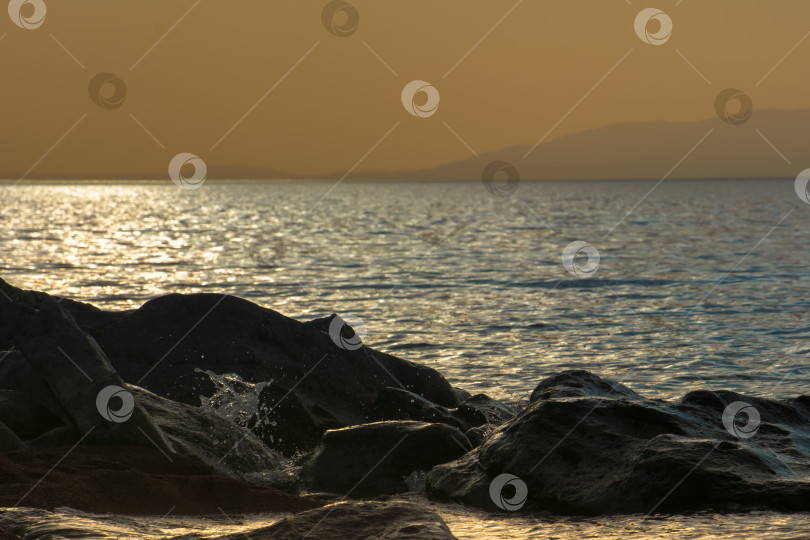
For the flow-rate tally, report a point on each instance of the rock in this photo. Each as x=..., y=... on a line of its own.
x=231, y=449
x=12, y=297
x=586, y=445
x=78, y=374
x=393, y=520
x=479, y=410
x=25, y=417
x=461, y=394
x=399, y=404
x=289, y=422
x=580, y=383
x=374, y=459
x=9, y=440
x=58, y=436
x=16, y=375
x=235, y=336
x=167, y=345
x=482, y=410
x=171, y=336
x=475, y=436
x=324, y=324
x=130, y=480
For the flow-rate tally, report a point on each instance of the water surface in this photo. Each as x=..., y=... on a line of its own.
x=703, y=284
x=67, y=523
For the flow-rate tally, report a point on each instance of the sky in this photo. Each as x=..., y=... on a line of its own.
x=265, y=84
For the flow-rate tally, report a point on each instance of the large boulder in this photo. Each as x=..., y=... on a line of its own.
x=393, y=520
x=79, y=376
x=585, y=445
x=169, y=344
x=374, y=459
x=178, y=334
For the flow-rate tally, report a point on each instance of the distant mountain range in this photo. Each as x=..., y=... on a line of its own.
x=772, y=143
x=650, y=150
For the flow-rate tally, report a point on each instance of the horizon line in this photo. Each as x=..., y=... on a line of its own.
x=167, y=181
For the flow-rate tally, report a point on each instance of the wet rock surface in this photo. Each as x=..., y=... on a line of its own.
x=586, y=445
x=288, y=421
x=473, y=412
x=130, y=480
x=214, y=440
x=399, y=404
x=374, y=459
x=480, y=410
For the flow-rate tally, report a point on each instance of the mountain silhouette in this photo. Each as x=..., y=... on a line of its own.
x=772, y=143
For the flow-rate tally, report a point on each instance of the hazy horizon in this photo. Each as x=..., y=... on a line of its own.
x=467, y=169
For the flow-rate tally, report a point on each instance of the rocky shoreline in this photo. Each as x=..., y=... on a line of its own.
x=334, y=430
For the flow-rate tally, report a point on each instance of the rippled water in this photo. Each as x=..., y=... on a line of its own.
x=67, y=523
x=704, y=284
x=454, y=277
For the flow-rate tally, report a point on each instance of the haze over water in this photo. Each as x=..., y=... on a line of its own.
x=703, y=285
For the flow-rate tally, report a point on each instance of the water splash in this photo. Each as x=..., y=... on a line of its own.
x=234, y=398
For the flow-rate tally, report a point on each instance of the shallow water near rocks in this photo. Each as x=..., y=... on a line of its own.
x=703, y=285
x=69, y=523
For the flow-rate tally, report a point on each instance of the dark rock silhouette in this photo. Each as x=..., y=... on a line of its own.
x=228, y=334
x=9, y=439
x=24, y=416
x=78, y=375
x=480, y=410
x=130, y=480
x=167, y=344
x=474, y=411
x=585, y=445
x=334, y=386
x=374, y=459
x=399, y=404
x=302, y=425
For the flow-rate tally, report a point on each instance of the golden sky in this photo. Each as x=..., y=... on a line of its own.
x=508, y=73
